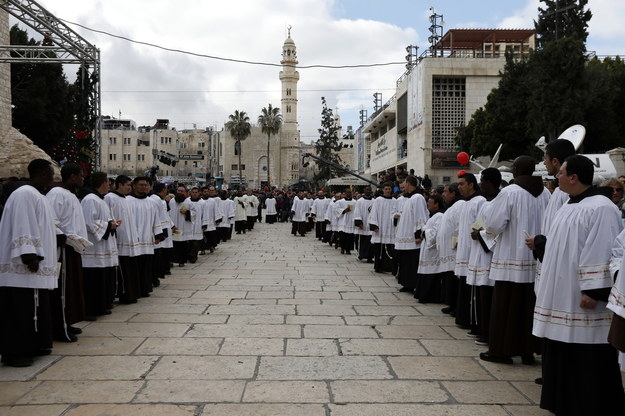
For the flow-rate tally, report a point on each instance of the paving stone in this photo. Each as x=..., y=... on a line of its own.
x=264, y=410
x=519, y=410
x=160, y=308
x=352, y=302
x=26, y=373
x=90, y=391
x=388, y=391
x=312, y=347
x=299, y=301
x=203, y=368
x=245, y=331
x=132, y=409
x=10, y=392
x=177, y=318
x=252, y=346
x=438, y=368
x=190, y=391
x=136, y=329
x=386, y=310
x=516, y=372
x=179, y=346
x=314, y=320
x=484, y=392
x=270, y=295
x=256, y=319
x=326, y=310
x=252, y=309
x=286, y=392
x=259, y=301
x=414, y=409
x=338, y=331
x=367, y=320
x=33, y=410
x=321, y=368
x=381, y=347
x=452, y=348
x=98, y=368
x=530, y=389
x=412, y=332
x=106, y=345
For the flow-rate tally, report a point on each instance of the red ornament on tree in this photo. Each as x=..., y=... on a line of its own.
x=463, y=158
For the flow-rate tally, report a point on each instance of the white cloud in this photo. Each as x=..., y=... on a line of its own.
x=250, y=30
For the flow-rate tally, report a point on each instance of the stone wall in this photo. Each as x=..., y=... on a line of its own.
x=5, y=78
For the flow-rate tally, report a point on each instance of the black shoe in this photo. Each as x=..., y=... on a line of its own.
x=473, y=334
x=484, y=356
x=203, y=252
x=107, y=312
x=405, y=289
x=167, y=273
x=481, y=341
x=127, y=301
x=528, y=359
x=42, y=352
x=342, y=251
x=348, y=252
x=74, y=330
x=156, y=283
x=447, y=309
x=369, y=261
x=180, y=264
x=17, y=361
x=539, y=381
x=90, y=318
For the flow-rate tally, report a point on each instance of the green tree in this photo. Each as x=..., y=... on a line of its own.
x=40, y=93
x=327, y=144
x=239, y=127
x=270, y=121
x=562, y=18
x=83, y=93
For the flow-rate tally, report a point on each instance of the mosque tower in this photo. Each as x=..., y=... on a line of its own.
x=289, y=135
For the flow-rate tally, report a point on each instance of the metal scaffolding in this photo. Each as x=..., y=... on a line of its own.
x=61, y=44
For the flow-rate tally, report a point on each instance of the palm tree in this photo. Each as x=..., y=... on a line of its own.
x=270, y=121
x=240, y=128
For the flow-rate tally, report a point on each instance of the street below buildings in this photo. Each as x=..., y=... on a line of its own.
x=272, y=324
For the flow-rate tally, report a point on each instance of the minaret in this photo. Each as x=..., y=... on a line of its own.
x=289, y=135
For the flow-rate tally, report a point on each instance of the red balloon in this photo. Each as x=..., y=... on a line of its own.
x=463, y=158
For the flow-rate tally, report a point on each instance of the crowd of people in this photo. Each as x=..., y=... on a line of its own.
x=71, y=250
x=525, y=269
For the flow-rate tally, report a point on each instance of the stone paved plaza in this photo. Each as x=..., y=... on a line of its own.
x=271, y=324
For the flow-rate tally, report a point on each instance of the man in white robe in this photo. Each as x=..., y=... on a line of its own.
x=240, y=212
x=28, y=269
x=514, y=214
x=270, y=209
x=330, y=220
x=429, y=280
x=162, y=249
x=67, y=303
x=127, y=237
x=251, y=208
x=344, y=212
x=211, y=217
x=361, y=222
x=447, y=242
x=616, y=300
x=468, y=187
x=226, y=206
x=412, y=218
x=318, y=212
x=300, y=215
x=180, y=213
x=147, y=215
x=196, y=204
x=580, y=369
x=382, y=227
x=100, y=260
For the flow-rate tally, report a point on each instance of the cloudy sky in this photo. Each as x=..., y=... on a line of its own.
x=145, y=83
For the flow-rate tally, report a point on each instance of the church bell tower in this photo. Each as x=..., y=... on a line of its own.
x=289, y=136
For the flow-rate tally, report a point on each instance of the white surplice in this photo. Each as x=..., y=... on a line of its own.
x=344, y=213
x=300, y=209
x=97, y=215
x=382, y=213
x=413, y=216
x=480, y=259
x=227, y=209
x=166, y=222
x=28, y=226
x=468, y=215
x=510, y=217
x=270, y=206
x=447, y=236
x=127, y=235
x=196, y=208
x=147, y=215
x=185, y=228
x=363, y=209
x=429, y=258
x=211, y=212
x=577, y=257
x=71, y=222
x=240, y=213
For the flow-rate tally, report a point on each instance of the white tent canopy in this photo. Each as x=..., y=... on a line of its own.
x=347, y=181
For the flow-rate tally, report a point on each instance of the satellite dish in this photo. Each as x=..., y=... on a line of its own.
x=575, y=134
x=541, y=143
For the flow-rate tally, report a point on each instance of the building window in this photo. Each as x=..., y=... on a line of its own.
x=126, y=157
x=141, y=157
x=242, y=167
x=448, y=110
x=200, y=144
x=112, y=140
x=288, y=108
x=235, y=167
x=112, y=156
x=127, y=140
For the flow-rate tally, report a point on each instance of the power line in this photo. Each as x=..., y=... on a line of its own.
x=219, y=58
x=243, y=91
